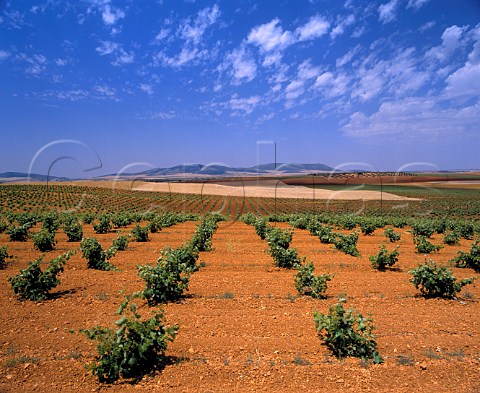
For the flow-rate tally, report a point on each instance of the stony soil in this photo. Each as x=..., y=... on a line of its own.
x=242, y=326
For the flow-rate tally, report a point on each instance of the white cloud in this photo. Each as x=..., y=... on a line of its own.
x=61, y=62
x=416, y=4
x=426, y=26
x=343, y=23
x=270, y=37
x=347, y=57
x=146, y=88
x=106, y=92
x=299, y=86
x=63, y=95
x=403, y=73
x=123, y=58
x=325, y=79
x=273, y=40
x=4, y=55
x=187, y=55
x=162, y=34
x=371, y=81
x=413, y=117
x=331, y=85
x=107, y=48
x=474, y=56
x=294, y=90
x=387, y=12
x=193, y=30
x=111, y=16
x=397, y=75
x=266, y=117
x=359, y=31
x=35, y=64
x=112, y=48
x=466, y=80
x=314, y=28
x=451, y=41
x=272, y=58
x=12, y=19
x=159, y=115
x=243, y=65
x=162, y=115
x=306, y=71
x=246, y=105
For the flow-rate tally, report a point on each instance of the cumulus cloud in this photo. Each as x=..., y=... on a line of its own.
x=12, y=19
x=72, y=95
x=451, y=41
x=416, y=4
x=110, y=15
x=266, y=117
x=35, y=64
x=347, y=57
x=243, y=67
x=397, y=75
x=162, y=115
x=106, y=92
x=186, y=56
x=314, y=28
x=245, y=105
x=146, y=88
x=272, y=40
x=307, y=71
x=466, y=80
x=342, y=24
x=4, y=55
x=162, y=34
x=388, y=12
x=270, y=37
x=413, y=117
x=193, y=30
x=426, y=26
x=297, y=88
x=331, y=85
x=121, y=57
x=61, y=62
x=294, y=90
x=107, y=48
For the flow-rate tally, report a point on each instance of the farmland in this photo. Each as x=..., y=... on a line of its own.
x=243, y=326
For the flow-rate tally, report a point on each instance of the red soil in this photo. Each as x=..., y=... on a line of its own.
x=242, y=327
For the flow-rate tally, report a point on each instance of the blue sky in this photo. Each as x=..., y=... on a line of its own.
x=114, y=86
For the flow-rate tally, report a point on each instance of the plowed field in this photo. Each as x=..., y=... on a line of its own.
x=243, y=326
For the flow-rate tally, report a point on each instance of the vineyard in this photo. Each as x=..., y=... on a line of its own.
x=430, y=202
x=121, y=290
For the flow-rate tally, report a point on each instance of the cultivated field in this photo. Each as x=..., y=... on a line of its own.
x=243, y=326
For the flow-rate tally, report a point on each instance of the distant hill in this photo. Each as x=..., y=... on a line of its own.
x=22, y=176
x=221, y=170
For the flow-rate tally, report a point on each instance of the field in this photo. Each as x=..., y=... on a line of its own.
x=243, y=326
